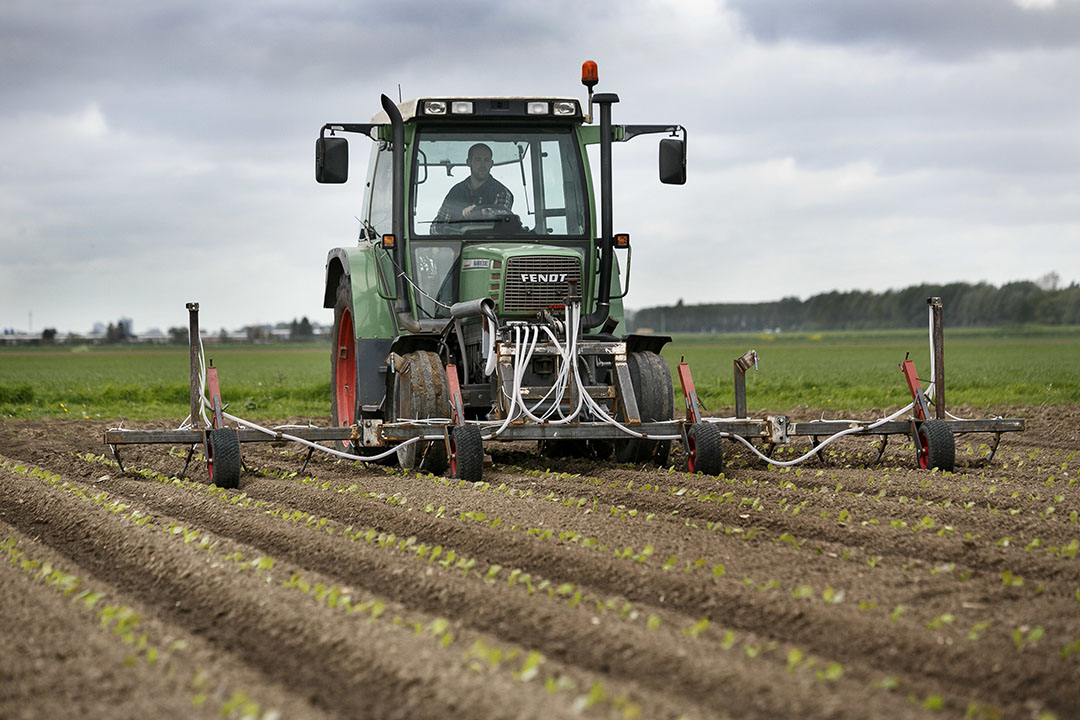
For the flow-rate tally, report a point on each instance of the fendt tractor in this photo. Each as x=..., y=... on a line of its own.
x=484, y=298
x=483, y=302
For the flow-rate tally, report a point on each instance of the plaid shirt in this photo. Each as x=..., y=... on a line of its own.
x=492, y=193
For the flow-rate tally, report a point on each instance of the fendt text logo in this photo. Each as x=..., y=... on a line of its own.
x=543, y=277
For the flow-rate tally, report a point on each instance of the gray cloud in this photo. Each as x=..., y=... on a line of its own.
x=157, y=153
x=953, y=29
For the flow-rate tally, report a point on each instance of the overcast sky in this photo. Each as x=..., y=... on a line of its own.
x=154, y=153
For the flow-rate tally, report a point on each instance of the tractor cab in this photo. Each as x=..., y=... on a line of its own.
x=489, y=180
x=480, y=218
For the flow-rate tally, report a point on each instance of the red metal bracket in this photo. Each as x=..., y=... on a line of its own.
x=689, y=394
x=922, y=408
x=457, y=409
x=214, y=390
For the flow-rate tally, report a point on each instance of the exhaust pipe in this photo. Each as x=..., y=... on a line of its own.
x=402, y=310
x=599, y=315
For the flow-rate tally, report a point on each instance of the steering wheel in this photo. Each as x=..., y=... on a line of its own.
x=486, y=212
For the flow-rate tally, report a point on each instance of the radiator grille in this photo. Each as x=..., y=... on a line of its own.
x=538, y=281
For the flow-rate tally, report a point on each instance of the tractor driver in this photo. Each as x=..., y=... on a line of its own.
x=477, y=197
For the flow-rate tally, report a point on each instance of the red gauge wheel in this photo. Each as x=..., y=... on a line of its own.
x=466, y=453
x=704, y=449
x=937, y=447
x=223, y=457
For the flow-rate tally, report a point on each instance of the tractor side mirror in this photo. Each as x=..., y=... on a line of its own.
x=672, y=161
x=331, y=160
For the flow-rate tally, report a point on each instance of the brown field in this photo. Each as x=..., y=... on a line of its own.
x=836, y=589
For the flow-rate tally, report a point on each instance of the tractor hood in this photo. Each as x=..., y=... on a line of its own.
x=521, y=278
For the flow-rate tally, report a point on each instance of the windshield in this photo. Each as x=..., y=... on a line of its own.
x=498, y=182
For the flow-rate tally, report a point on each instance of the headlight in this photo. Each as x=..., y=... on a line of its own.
x=434, y=107
x=538, y=108
x=461, y=107
x=565, y=108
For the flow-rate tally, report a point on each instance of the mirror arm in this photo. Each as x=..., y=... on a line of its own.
x=362, y=128
x=632, y=131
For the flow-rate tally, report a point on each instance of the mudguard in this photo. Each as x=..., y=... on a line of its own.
x=372, y=306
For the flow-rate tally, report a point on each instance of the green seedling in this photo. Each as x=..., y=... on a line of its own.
x=1021, y=639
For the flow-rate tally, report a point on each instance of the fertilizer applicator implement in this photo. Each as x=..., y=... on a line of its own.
x=483, y=300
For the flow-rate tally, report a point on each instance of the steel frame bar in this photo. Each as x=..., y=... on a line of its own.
x=396, y=432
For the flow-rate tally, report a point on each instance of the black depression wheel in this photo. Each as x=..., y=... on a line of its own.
x=466, y=453
x=420, y=393
x=937, y=448
x=223, y=457
x=655, y=395
x=704, y=449
x=343, y=364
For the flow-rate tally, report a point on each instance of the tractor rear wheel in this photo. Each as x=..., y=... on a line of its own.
x=704, y=449
x=937, y=447
x=420, y=393
x=223, y=457
x=466, y=453
x=343, y=364
x=655, y=395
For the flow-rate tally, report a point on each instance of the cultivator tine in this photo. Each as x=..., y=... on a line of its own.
x=881, y=448
x=994, y=447
x=187, y=460
x=820, y=452
x=303, y=467
x=116, y=457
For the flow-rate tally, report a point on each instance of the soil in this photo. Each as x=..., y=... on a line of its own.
x=841, y=588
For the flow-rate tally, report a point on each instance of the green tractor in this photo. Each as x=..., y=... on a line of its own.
x=483, y=298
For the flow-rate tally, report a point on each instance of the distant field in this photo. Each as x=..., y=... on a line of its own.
x=257, y=381
x=859, y=370
x=839, y=370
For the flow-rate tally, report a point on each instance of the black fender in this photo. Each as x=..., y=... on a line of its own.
x=404, y=344
x=645, y=343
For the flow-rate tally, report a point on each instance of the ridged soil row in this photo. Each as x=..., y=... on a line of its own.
x=697, y=674
x=858, y=496
x=348, y=665
x=964, y=660
x=60, y=662
x=829, y=630
x=924, y=588
x=866, y=525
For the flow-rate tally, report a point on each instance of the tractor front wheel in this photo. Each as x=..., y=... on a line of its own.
x=343, y=364
x=655, y=396
x=937, y=447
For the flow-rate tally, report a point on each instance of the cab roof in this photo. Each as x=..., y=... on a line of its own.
x=455, y=109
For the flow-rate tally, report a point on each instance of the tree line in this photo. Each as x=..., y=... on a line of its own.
x=972, y=305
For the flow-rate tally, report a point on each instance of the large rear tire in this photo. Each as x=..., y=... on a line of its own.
x=420, y=393
x=655, y=395
x=937, y=447
x=343, y=371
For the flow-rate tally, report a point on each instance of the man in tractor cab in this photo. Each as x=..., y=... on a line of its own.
x=478, y=197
